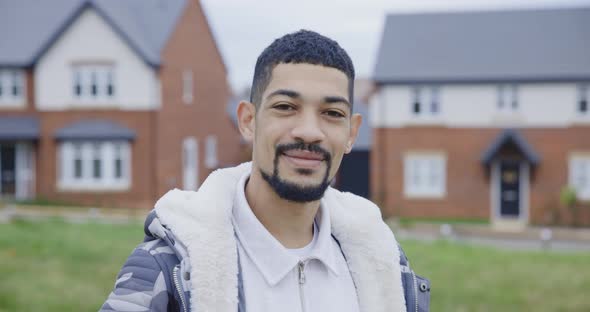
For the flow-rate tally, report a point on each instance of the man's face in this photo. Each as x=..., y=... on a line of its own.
x=302, y=128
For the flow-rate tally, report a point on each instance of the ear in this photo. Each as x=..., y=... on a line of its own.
x=355, y=124
x=246, y=120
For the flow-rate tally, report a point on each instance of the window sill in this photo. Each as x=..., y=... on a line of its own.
x=13, y=104
x=424, y=121
x=430, y=196
x=80, y=187
x=581, y=120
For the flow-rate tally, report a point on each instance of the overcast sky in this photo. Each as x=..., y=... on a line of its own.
x=243, y=28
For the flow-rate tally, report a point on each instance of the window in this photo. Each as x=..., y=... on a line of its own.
x=583, y=95
x=425, y=100
x=211, y=151
x=187, y=86
x=579, y=175
x=93, y=83
x=507, y=98
x=190, y=171
x=96, y=161
x=94, y=165
x=424, y=175
x=78, y=161
x=417, y=100
x=11, y=86
x=118, y=161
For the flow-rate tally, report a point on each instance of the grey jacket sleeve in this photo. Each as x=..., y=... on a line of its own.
x=416, y=287
x=140, y=285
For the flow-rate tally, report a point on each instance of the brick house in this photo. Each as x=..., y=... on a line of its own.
x=109, y=103
x=483, y=115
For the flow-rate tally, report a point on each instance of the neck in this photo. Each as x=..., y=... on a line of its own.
x=289, y=222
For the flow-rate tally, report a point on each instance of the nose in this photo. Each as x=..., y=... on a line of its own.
x=308, y=129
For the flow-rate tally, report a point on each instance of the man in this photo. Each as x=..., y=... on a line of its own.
x=271, y=235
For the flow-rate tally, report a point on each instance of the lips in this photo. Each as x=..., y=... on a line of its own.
x=307, y=155
x=302, y=158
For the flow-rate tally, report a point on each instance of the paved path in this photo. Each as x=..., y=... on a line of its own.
x=503, y=243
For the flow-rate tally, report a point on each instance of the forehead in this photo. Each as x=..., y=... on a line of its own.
x=311, y=81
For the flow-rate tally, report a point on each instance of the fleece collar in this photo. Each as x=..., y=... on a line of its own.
x=202, y=222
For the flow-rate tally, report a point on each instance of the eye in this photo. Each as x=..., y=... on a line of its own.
x=283, y=107
x=335, y=113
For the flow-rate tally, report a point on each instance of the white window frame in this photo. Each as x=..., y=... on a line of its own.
x=187, y=86
x=9, y=80
x=579, y=174
x=427, y=98
x=419, y=170
x=211, y=152
x=583, y=95
x=100, y=76
x=89, y=151
x=507, y=98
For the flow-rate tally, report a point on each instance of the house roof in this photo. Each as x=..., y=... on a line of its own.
x=28, y=28
x=520, y=45
x=94, y=129
x=510, y=136
x=19, y=128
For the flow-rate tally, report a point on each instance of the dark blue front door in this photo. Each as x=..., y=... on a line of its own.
x=510, y=189
x=8, y=169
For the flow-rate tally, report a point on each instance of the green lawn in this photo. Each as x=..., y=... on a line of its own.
x=57, y=266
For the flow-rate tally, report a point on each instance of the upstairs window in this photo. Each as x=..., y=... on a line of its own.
x=425, y=100
x=187, y=86
x=583, y=96
x=507, y=98
x=93, y=83
x=11, y=85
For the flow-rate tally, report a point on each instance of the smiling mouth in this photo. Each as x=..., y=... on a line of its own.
x=304, y=159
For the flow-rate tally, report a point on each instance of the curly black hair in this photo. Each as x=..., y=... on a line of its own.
x=303, y=46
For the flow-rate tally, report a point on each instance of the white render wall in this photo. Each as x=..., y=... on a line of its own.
x=473, y=105
x=91, y=39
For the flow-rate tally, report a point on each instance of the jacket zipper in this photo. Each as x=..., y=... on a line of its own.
x=177, y=284
x=415, y=290
x=301, y=282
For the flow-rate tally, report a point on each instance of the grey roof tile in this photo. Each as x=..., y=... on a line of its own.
x=542, y=44
x=29, y=27
x=19, y=128
x=95, y=129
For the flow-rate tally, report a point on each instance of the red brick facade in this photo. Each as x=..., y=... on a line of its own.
x=467, y=179
x=156, y=151
x=192, y=46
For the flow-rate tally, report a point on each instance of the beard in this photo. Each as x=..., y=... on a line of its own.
x=292, y=191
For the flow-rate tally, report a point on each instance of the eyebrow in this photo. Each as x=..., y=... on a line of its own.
x=297, y=95
x=336, y=99
x=288, y=93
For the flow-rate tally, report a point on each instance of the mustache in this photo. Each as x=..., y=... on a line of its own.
x=314, y=148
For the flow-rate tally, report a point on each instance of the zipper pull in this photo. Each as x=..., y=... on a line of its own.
x=301, y=273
